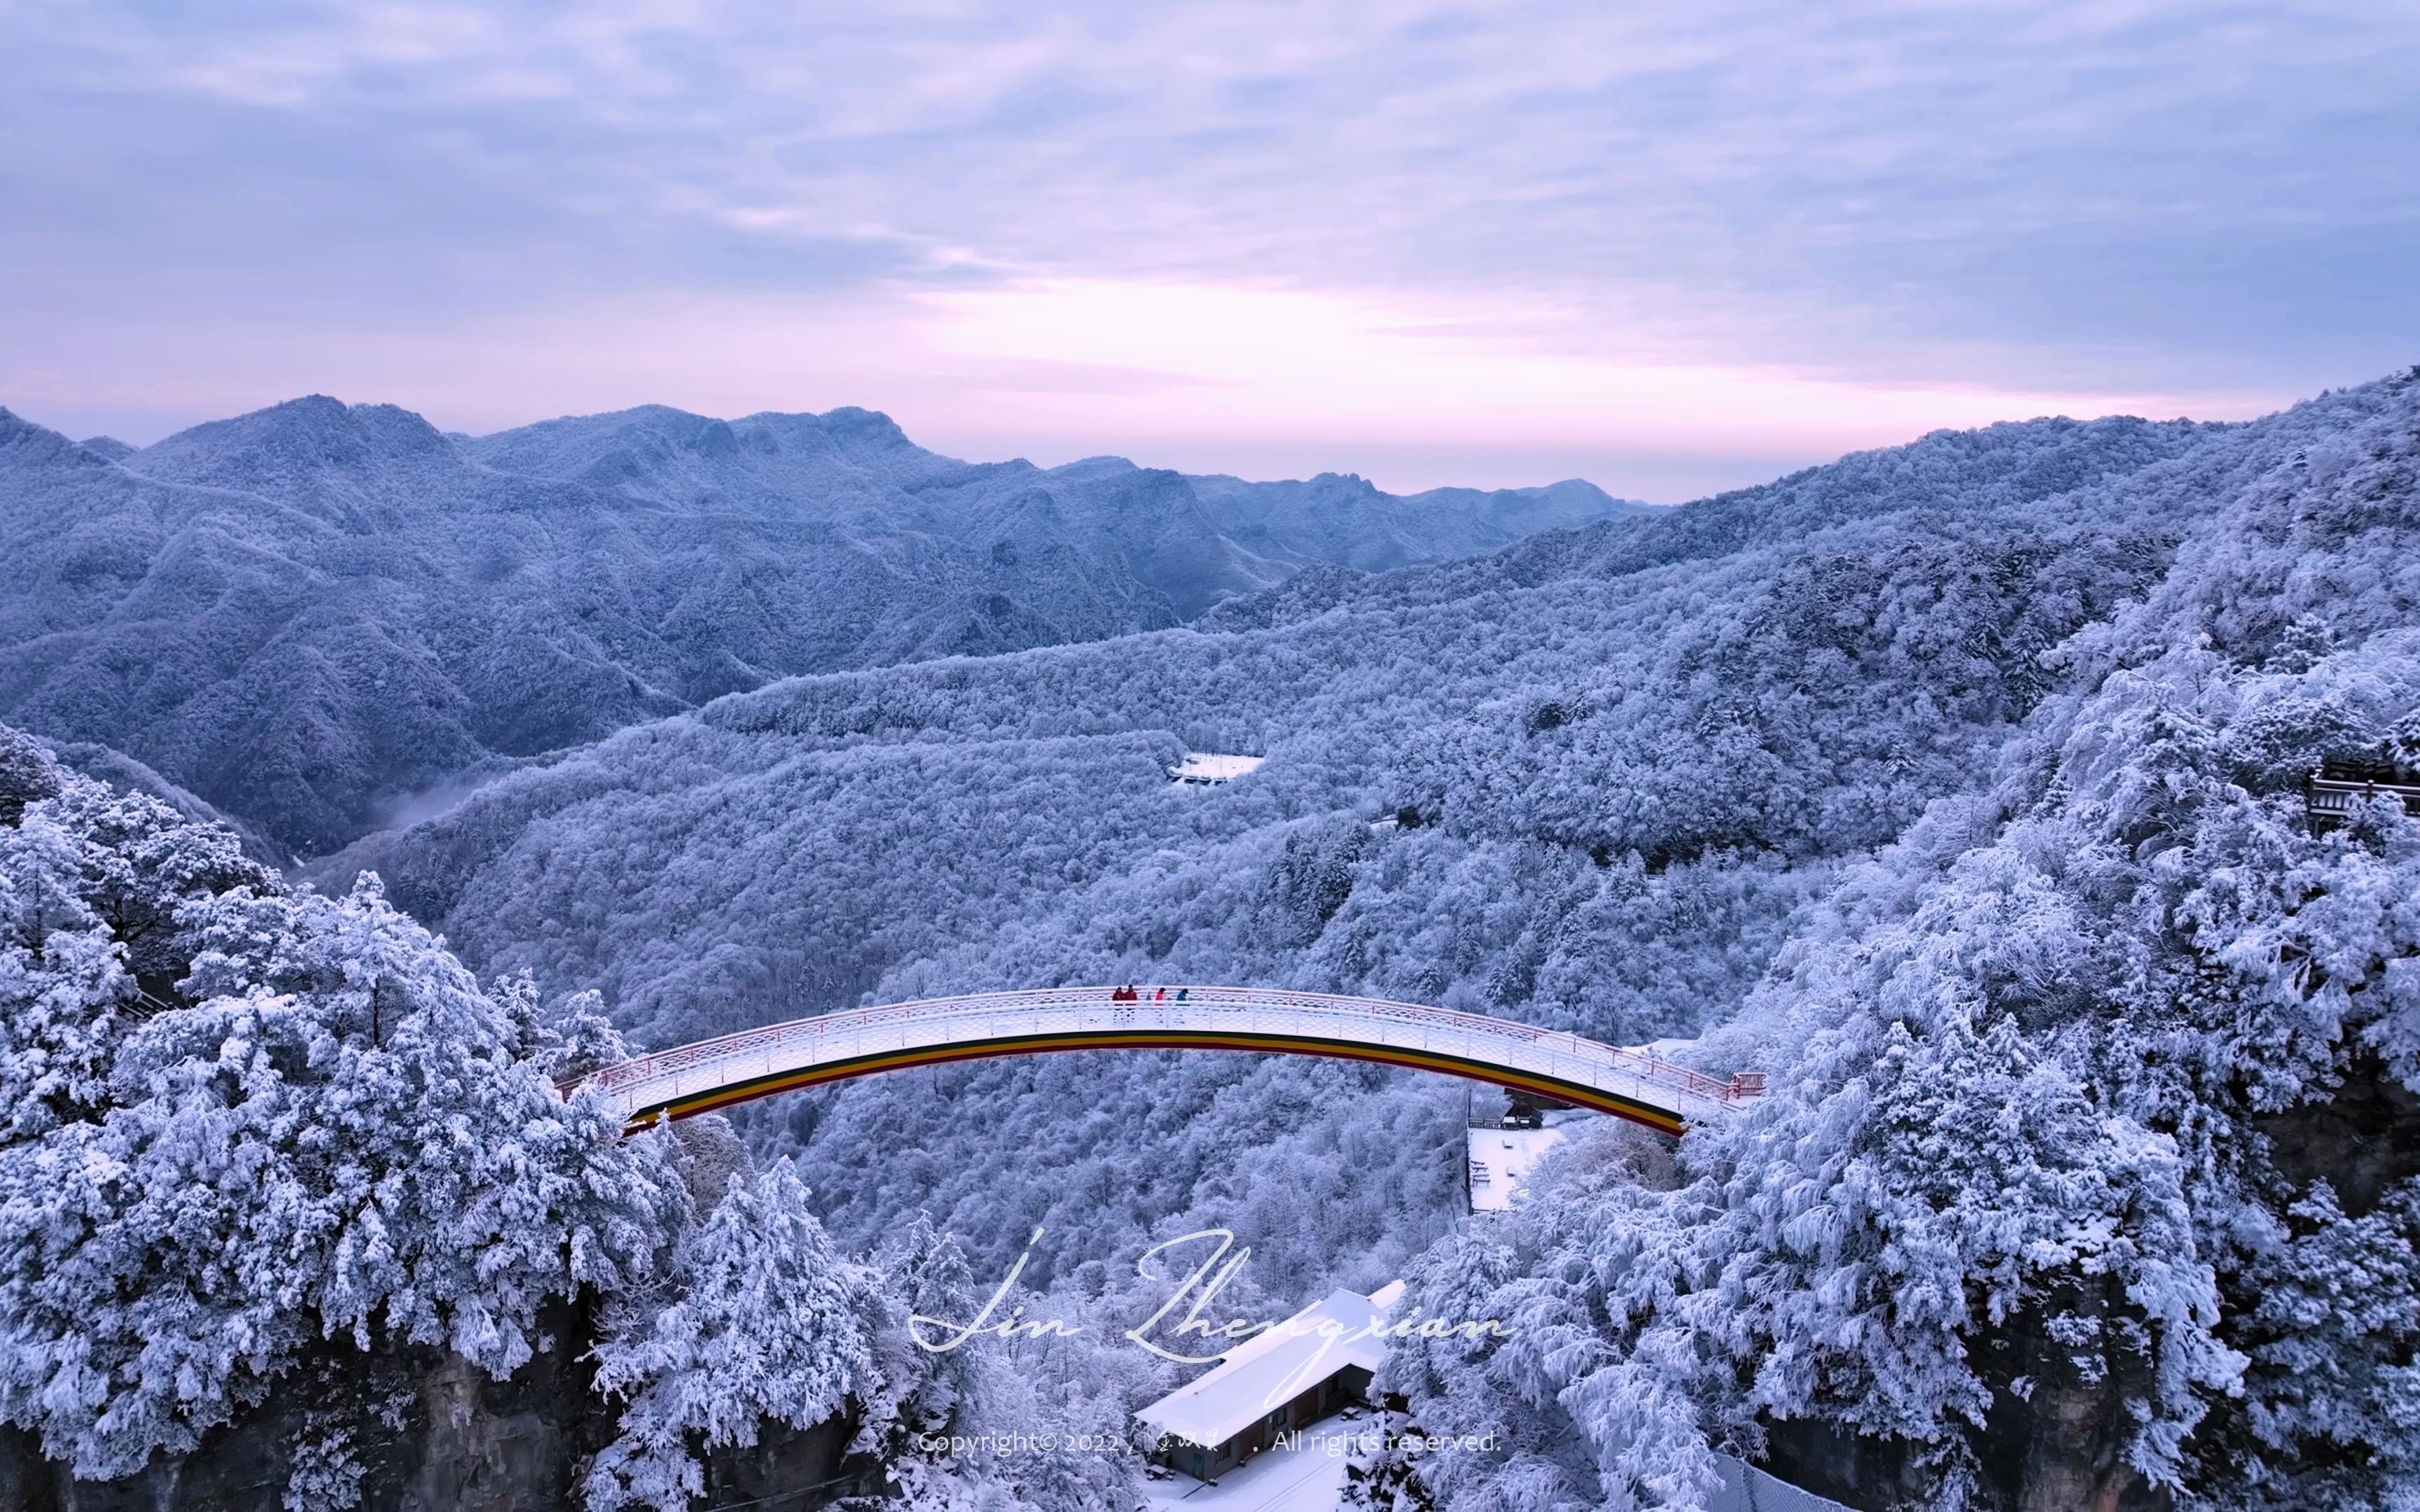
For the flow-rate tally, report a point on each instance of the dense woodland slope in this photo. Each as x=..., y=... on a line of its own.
x=317, y=616
x=1615, y=780
x=1956, y=786
x=2090, y=1176
x=294, y=1218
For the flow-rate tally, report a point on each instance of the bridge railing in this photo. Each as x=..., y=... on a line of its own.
x=1322, y=1015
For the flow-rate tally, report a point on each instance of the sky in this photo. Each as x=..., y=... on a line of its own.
x=1669, y=248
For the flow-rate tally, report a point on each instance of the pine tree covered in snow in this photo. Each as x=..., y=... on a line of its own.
x=324, y=1131
x=921, y=1394
x=91, y=883
x=769, y=1324
x=579, y=1037
x=321, y=1132
x=1388, y=1480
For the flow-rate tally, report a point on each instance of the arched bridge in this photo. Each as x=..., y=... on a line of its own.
x=714, y=1073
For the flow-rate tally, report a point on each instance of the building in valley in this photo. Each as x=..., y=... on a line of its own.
x=1278, y=1381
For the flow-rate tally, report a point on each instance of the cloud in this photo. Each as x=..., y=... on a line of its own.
x=2189, y=200
x=1258, y=381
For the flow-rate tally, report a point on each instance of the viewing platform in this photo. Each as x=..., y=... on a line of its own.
x=2333, y=788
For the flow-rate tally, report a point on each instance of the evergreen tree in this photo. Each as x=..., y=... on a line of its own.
x=326, y=1132
x=768, y=1325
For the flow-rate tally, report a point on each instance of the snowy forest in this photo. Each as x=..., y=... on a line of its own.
x=324, y=619
x=360, y=783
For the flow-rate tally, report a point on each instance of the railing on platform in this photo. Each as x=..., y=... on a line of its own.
x=2330, y=792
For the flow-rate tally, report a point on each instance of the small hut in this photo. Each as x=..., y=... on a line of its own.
x=1277, y=1383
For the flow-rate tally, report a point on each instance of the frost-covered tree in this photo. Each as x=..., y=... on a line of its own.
x=2088, y=1167
x=577, y=1037
x=324, y=1133
x=91, y=883
x=917, y=1394
x=769, y=1324
x=27, y=773
x=1388, y=1479
x=65, y=991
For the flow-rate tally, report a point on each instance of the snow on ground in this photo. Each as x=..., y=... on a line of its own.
x=1746, y=1488
x=1500, y=1161
x=1213, y=767
x=1312, y=1479
x=1307, y=1479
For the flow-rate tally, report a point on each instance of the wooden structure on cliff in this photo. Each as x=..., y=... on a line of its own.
x=2333, y=788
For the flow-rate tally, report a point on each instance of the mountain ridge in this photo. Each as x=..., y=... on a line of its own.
x=1961, y=794
x=1957, y=788
x=309, y=613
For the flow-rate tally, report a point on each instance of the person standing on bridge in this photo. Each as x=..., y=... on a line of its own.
x=1160, y=997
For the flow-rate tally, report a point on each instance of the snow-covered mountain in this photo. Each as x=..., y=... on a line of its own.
x=1342, y=519
x=315, y=614
x=1957, y=787
x=1647, y=778
x=1769, y=679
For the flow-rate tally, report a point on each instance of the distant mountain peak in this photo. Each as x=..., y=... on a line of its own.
x=1094, y=466
x=314, y=429
x=851, y=417
x=24, y=443
x=847, y=427
x=635, y=414
x=13, y=424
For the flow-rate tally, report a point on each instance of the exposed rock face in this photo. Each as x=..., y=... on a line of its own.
x=804, y=1468
x=2061, y=1448
x=2362, y=1141
x=412, y=1431
x=1870, y=1475
x=420, y=1431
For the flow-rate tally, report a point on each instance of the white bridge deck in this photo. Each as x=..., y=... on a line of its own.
x=711, y=1074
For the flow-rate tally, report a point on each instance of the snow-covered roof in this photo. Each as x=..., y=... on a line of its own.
x=1213, y=767
x=1275, y=1366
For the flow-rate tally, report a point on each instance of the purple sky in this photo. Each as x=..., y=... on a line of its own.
x=1668, y=248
